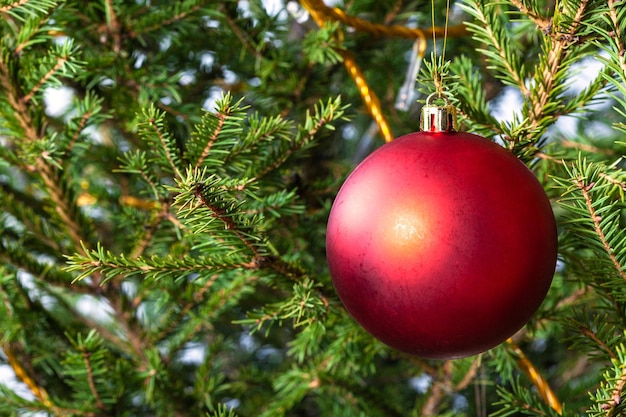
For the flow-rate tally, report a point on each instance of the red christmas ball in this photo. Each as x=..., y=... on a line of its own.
x=441, y=244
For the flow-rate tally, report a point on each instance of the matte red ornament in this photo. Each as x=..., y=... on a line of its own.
x=441, y=244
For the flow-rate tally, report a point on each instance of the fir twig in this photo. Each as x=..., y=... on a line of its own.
x=19, y=106
x=546, y=77
x=616, y=396
x=165, y=142
x=593, y=336
x=542, y=23
x=144, y=242
x=61, y=61
x=113, y=26
x=221, y=214
x=584, y=189
x=216, y=132
x=617, y=35
x=90, y=380
x=9, y=7
x=64, y=208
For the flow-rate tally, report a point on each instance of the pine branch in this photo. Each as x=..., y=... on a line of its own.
x=218, y=129
x=60, y=63
x=593, y=205
x=542, y=23
x=110, y=266
x=179, y=12
x=617, y=34
x=90, y=380
x=490, y=32
x=220, y=135
x=546, y=76
x=21, y=113
x=226, y=217
x=113, y=26
x=597, y=340
x=323, y=115
x=9, y=7
x=153, y=130
x=584, y=189
x=66, y=210
x=609, y=399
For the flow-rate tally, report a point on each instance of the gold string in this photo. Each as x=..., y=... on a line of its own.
x=40, y=393
x=368, y=96
x=336, y=14
x=544, y=389
x=438, y=65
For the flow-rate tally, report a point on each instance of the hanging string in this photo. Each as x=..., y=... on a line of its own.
x=438, y=64
x=445, y=32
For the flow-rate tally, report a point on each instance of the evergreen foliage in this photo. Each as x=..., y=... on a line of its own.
x=162, y=230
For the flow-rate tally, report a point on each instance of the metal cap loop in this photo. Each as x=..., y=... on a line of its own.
x=438, y=118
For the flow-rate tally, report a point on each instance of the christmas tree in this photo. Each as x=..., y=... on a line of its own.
x=167, y=171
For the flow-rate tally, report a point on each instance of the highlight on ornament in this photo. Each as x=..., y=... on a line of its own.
x=441, y=244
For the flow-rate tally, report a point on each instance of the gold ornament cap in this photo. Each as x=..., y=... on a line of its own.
x=438, y=118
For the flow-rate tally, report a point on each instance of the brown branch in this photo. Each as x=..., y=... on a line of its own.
x=440, y=387
x=22, y=114
x=113, y=26
x=205, y=152
x=243, y=36
x=19, y=106
x=612, y=180
x=545, y=79
x=91, y=382
x=149, y=233
x=132, y=332
x=617, y=35
x=79, y=129
x=173, y=19
x=521, y=82
x=586, y=147
x=229, y=224
x=198, y=297
x=65, y=210
x=9, y=7
x=59, y=64
x=542, y=23
x=596, y=219
x=170, y=159
x=470, y=375
x=616, y=396
x=591, y=335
